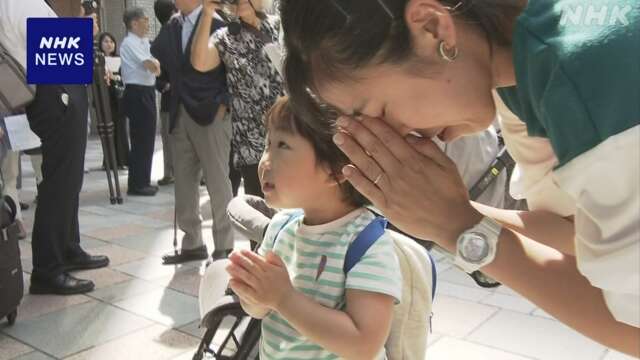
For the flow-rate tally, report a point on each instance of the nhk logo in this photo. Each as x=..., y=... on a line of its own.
x=595, y=15
x=55, y=58
x=59, y=50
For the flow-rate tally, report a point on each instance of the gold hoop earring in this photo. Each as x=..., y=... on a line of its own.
x=447, y=54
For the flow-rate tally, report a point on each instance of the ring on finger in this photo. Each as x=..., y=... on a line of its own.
x=375, y=182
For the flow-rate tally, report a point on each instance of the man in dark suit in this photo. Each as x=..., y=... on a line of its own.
x=58, y=115
x=201, y=131
x=164, y=10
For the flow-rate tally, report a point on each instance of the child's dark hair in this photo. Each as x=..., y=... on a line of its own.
x=327, y=40
x=319, y=132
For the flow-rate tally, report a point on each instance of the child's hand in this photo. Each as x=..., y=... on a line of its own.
x=264, y=281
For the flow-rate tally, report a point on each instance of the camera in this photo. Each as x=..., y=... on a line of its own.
x=90, y=7
x=229, y=14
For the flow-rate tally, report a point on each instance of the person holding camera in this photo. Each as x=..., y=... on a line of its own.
x=253, y=81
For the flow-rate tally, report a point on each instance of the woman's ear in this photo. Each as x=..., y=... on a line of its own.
x=429, y=23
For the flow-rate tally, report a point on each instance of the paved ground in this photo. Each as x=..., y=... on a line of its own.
x=143, y=310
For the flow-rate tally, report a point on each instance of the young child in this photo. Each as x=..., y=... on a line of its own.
x=295, y=283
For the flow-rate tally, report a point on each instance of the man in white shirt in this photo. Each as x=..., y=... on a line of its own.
x=139, y=70
x=58, y=115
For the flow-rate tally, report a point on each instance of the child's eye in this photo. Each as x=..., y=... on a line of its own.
x=283, y=145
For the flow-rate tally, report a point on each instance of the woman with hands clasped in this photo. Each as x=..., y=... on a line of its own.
x=398, y=67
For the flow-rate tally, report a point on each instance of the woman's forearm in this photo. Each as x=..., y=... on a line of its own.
x=204, y=55
x=544, y=226
x=551, y=280
x=332, y=329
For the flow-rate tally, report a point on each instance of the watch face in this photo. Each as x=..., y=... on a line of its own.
x=475, y=247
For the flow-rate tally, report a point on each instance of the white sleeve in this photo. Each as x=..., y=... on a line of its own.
x=605, y=184
x=134, y=52
x=535, y=160
x=13, y=24
x=473, y=154
x=27, y=9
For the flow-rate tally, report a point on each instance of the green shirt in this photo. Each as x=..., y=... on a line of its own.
x=577, y=67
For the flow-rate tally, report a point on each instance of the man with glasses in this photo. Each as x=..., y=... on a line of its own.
x=139, y=70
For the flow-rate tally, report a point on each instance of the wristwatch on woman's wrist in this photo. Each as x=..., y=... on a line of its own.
x=476, y=247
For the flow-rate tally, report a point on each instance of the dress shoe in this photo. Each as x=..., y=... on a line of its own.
x=63, y=284
x=24, y=206
x=184, y=255
x=85, y=262
x=145, y=191
x=167, y=180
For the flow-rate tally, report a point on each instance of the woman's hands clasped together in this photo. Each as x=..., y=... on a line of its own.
x=415, y=185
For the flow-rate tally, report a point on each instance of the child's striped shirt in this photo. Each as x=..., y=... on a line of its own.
x=314, y=256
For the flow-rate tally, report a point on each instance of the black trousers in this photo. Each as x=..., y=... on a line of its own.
x=63, y=132
x=139, y=104
x=251, y=180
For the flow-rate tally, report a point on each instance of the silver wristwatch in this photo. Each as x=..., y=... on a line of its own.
x=476, y=247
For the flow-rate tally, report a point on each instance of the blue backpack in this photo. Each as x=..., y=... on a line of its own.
x=367, y=237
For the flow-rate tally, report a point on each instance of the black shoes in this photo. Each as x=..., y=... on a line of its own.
x=85, y=262
x=167, y=180
x=63, y=284
x=145, y=191
x=185, y=255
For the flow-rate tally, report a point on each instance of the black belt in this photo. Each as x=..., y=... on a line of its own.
x=137, y=86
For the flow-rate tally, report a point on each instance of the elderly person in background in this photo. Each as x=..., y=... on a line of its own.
x=139, y=70
x=201, y=131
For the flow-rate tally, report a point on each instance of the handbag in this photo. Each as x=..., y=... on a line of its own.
x=15, y=92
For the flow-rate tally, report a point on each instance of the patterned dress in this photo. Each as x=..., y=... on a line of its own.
x=254, y=85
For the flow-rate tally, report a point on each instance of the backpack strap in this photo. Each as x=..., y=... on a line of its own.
x=434, y=276
x=367, y=237
x=293, y=216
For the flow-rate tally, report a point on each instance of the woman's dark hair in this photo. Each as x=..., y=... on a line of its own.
x=327, y=39
x=164, y=9
x=113, y=38
x=282, y=117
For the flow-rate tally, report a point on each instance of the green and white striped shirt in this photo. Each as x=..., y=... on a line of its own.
x=314, y=256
